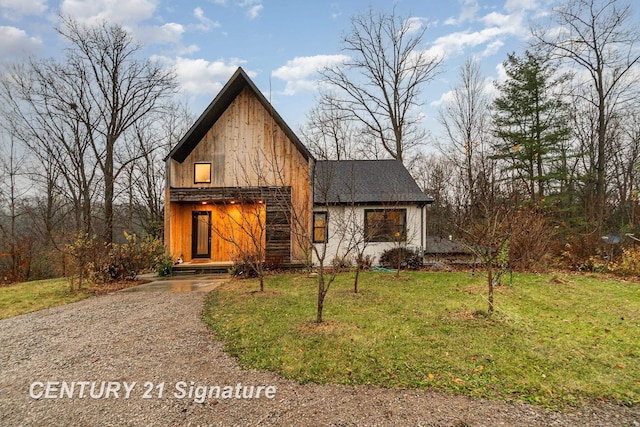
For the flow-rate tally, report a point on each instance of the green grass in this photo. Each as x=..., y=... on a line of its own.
x=37, y=295
x=553, y=340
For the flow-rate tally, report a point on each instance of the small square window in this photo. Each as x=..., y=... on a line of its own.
x=202, y=173
x=320, y=228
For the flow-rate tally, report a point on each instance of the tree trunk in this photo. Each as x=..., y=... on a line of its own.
x=108, y=191
x=355, y=281
x=321, y=294
x=600, y=168
x=490, y=279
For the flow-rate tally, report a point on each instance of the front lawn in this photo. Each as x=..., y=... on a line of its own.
x=37, y=295
x=554, y=339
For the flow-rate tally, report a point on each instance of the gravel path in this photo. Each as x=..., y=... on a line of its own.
x=157, y=337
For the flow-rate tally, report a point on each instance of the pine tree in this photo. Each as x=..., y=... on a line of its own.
x=530, y=121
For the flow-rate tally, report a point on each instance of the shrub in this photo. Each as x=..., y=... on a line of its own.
x=629, y=264
x=92, y=262
x=531, y=239
x=244, y=266
x=85, y=253
x=126, y=260
x=364, y=262
x=402, y=257
x=342, y=263
x=163, y=264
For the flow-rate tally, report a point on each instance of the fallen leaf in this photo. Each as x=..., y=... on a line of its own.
x=459, y=380
x=431, y=376
x=620, y=366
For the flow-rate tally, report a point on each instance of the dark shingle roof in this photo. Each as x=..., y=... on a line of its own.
x=220, y=103
x=365, y=181
x=444, y=246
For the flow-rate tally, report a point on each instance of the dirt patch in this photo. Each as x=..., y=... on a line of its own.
x=311, y=328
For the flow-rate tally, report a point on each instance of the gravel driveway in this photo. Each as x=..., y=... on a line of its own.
x=159, y=339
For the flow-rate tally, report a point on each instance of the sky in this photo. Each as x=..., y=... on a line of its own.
x=281, y=44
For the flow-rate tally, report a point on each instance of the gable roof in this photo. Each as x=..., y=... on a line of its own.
x=218, y=106
x=365, y=182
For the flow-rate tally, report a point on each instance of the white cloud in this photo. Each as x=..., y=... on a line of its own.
x=168, y=33
x=456, y=43
x=496, y=28
x=254, y=7
x=254, y=11
x=510, y=24
x=15, y=42
x=493, y=48
x=467, y=13
x=444, y=99
x=519, y=5
x=199, y=76
x=205, y=24
x=114, y=11
x=298, y=71
x=15, y=9
x=414, y=24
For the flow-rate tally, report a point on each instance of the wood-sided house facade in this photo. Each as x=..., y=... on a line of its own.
x=239, y=170
x=240, y=182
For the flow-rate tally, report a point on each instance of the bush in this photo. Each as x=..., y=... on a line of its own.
x=244, y=266
x=402, y=257
x=629, y=264
x=125, y=261
x=164, y=264
x=364, y=262
x=531, y=240
x=342, y=263
x=92, y=262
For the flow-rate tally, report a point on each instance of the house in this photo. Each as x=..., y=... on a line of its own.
x=241, y=182
x=234, y=181
x=373, y=203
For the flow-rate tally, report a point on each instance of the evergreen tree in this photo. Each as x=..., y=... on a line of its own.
x=530, y=122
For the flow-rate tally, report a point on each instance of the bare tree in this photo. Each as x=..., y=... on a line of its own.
x=487, y=237
x=329, y=259
x=465, y=119
x=112, y=90
x=601, y=38
x=150, y=139
x=379, y=86
x=36, y=111
x=12, y=165
x=328, y=132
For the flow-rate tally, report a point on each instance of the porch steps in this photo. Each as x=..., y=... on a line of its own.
x=193, y=269
x=212, y=268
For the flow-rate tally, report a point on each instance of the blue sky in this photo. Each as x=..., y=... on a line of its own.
x=280, y=43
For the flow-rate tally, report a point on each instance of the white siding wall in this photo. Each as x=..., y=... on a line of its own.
x=346, y=221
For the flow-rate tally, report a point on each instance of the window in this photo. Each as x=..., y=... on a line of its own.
x=385, y=225
x=202, y=173
x=320, y=228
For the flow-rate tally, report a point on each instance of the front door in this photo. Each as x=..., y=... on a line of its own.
x=201, y=235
